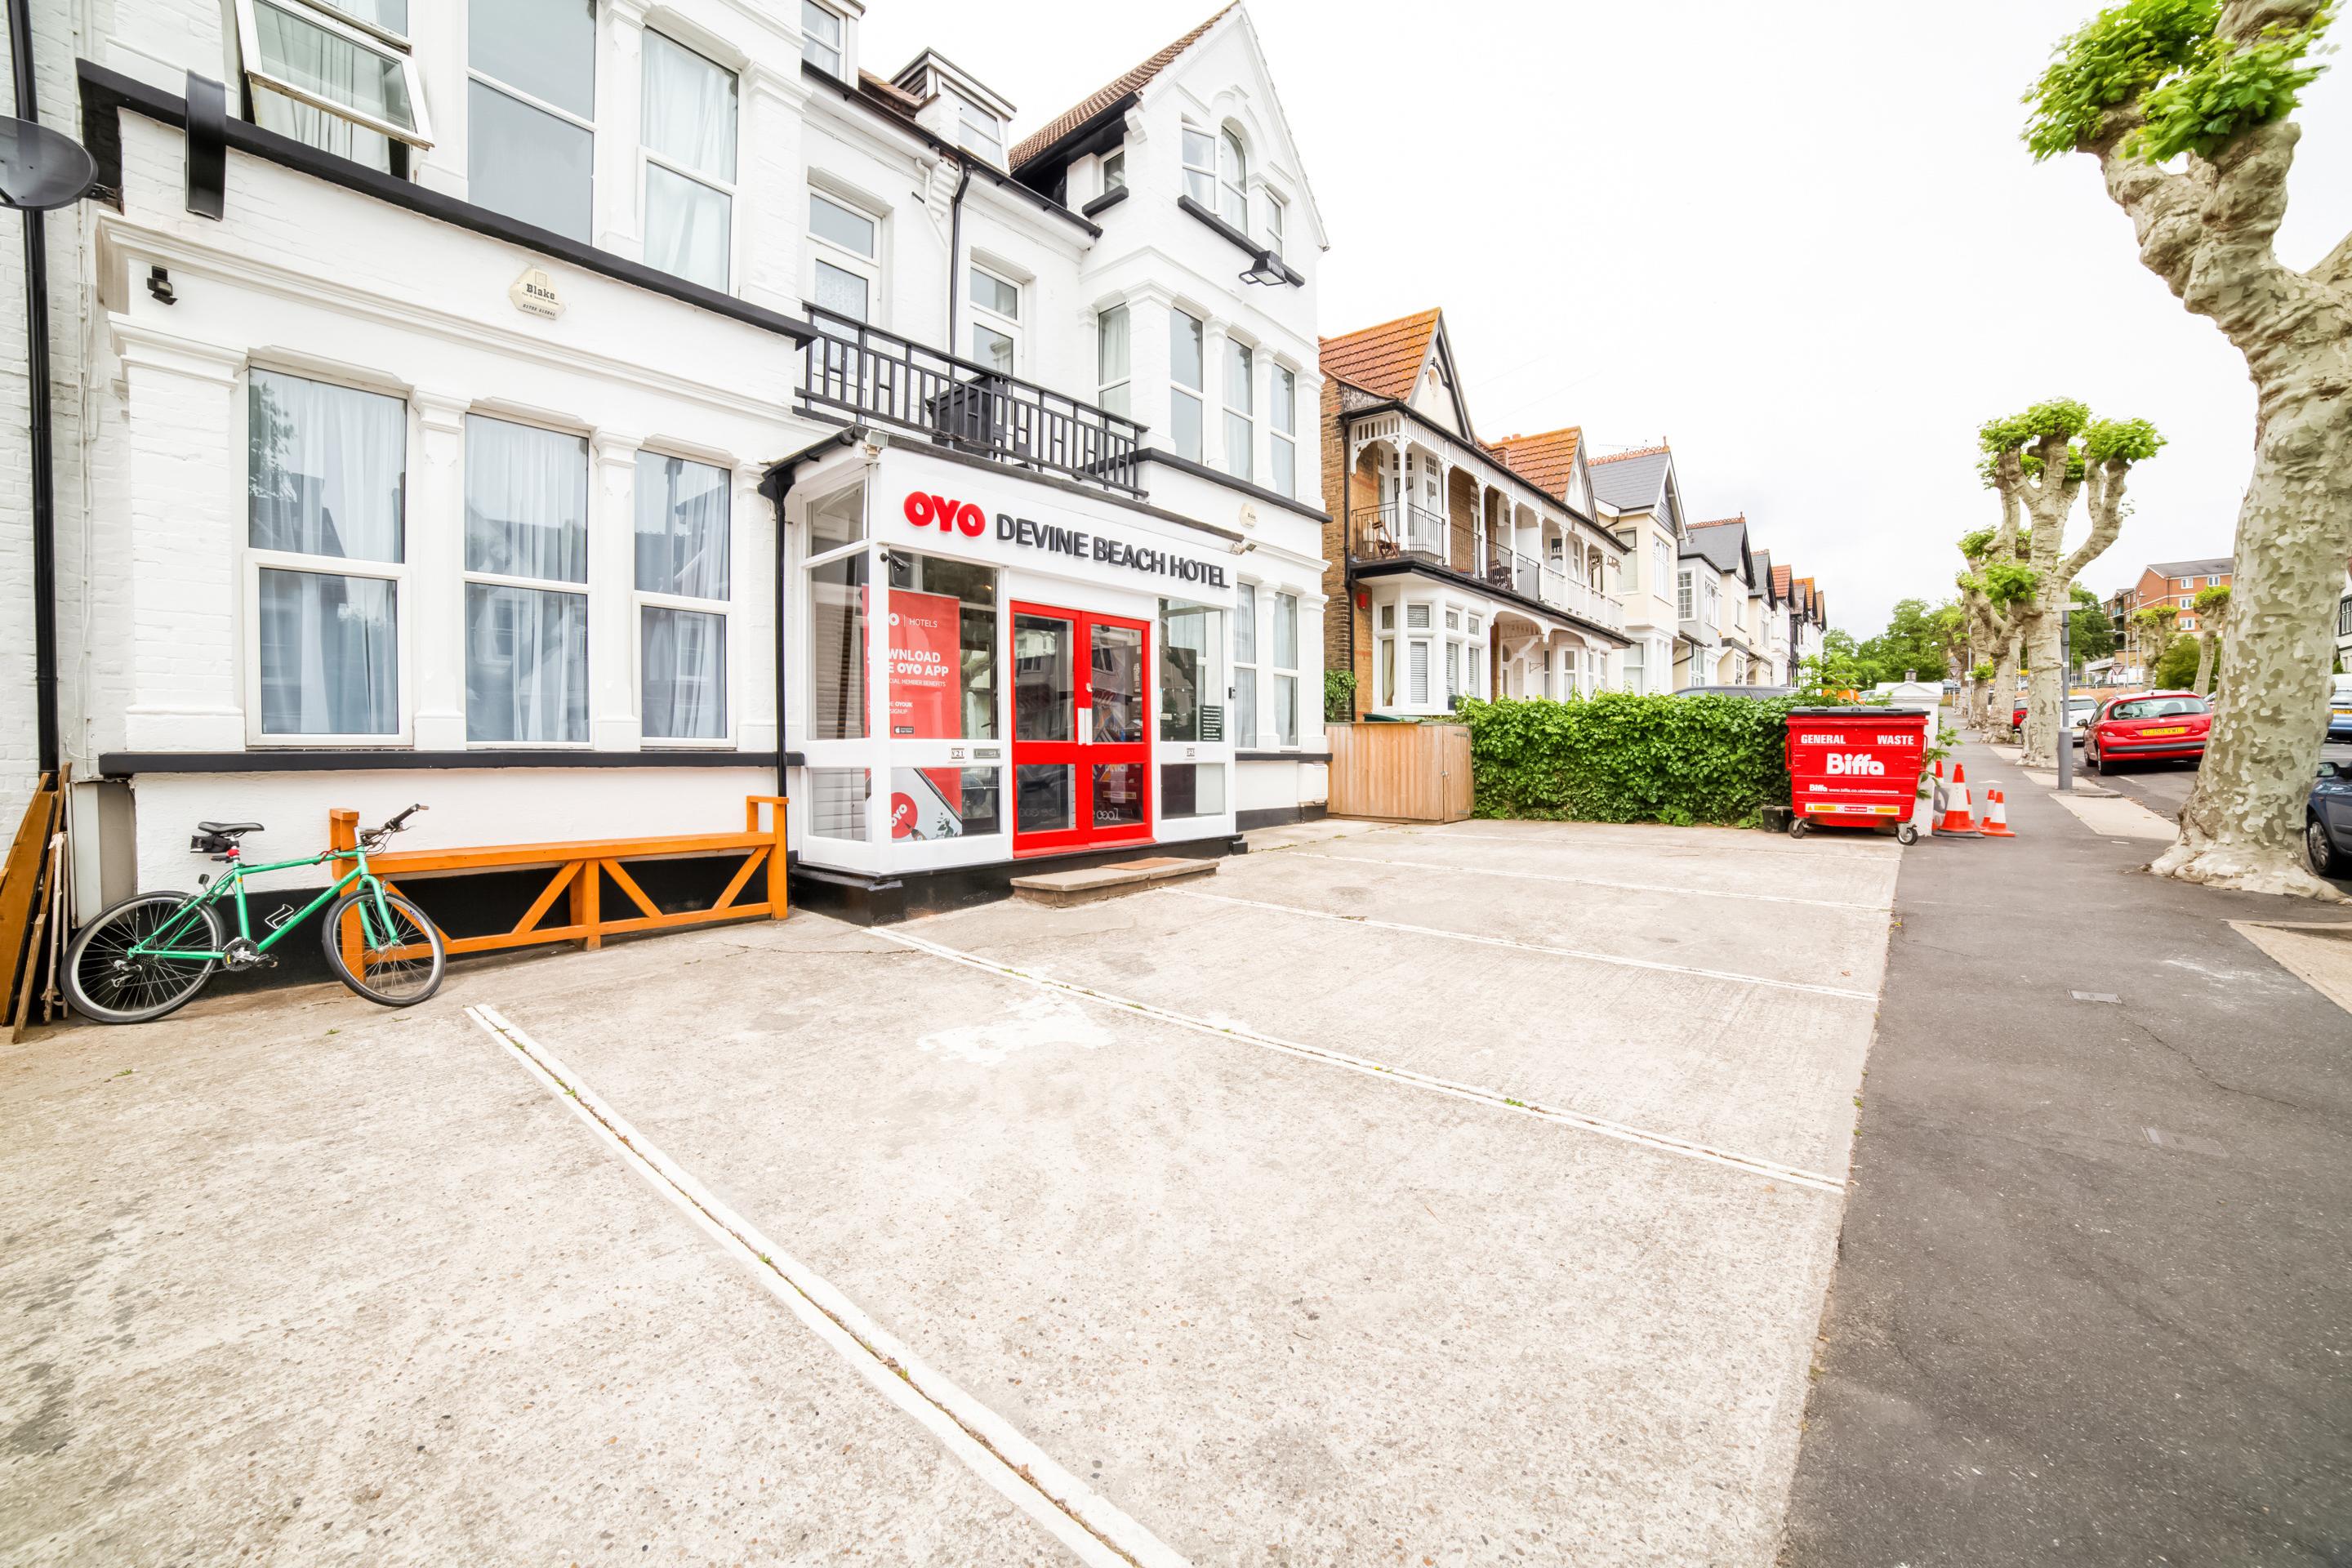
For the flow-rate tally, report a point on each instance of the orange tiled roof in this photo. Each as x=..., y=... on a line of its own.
x=1093, y=103
x=890, y=92
x=1546, y=459
x=1780, y=576
x=1385, y=360
x=1723, y=521
x=1620, y=457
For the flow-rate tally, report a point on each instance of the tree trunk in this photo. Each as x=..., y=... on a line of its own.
x=2242, y=826
x=2045, y=704
x=2203, y=684
x=2003, y=697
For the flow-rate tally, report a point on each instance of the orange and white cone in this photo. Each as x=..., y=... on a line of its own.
x=1996, y=821
x=1960, y=816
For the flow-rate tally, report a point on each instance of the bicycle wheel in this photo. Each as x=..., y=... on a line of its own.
x=399, y=967
x=106, y=981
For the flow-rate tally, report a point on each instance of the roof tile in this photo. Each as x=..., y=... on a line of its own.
x=1546, y=460
x=1088, y=108
x=1385, y=360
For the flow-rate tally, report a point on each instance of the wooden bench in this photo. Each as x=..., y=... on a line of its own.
x=579, y=870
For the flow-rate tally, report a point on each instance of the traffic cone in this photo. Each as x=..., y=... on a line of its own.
x=1960, y=818
x=1996, y=821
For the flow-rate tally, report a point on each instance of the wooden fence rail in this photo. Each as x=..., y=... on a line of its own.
x=579, y=871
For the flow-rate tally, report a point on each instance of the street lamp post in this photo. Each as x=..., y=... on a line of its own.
x=2065, y=702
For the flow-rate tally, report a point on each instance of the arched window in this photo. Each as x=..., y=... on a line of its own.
x=1233, y=181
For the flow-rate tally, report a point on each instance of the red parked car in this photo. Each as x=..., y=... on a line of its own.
x=2147, y=727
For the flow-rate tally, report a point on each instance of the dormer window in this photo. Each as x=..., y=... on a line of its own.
x=821, y=39
x=1113, y=170
x=980, y=132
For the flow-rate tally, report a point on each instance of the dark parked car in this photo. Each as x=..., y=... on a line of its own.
x=1737, y=691
x=2327, y=825
x=2147, y=727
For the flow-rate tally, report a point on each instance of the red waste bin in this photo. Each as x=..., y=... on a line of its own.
x=1856, y=767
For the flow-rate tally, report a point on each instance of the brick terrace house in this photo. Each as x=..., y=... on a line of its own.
x=2174, y=583
x=1456, y=568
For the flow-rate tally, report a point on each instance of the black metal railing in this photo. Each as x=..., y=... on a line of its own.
x=1407, y=532
x=860, y=370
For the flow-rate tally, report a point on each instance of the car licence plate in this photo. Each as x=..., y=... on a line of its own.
x=2169, y=730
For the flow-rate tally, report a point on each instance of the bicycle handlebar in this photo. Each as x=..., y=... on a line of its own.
x=397, y=825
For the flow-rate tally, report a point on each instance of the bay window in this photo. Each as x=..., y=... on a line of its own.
x=1282, y=419
x=1286, y=669
x=326, y=485
x=683, y=519
x=531, y=108
x=1187, y=376
x=689, y=163
x=1240, y=426
x=1113, y=361
x=526, y=584
x=1245, y=664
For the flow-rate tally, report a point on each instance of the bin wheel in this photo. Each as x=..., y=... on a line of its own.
x=1799, y=828
x=1907, y=833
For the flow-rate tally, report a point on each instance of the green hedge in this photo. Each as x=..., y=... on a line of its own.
x=1620, y=757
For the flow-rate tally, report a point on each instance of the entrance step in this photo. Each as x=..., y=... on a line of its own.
x=1060, y=889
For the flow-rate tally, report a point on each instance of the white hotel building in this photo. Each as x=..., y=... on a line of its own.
x=580, y=414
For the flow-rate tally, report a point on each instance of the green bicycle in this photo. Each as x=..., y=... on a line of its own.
x=152, y=951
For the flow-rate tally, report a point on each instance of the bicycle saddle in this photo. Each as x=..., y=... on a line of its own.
x=229, y=829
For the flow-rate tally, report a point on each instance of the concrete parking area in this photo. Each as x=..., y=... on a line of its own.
x=1418, y=1195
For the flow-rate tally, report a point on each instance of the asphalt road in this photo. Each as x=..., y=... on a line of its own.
x=2164, y=786
x=2090, y=1306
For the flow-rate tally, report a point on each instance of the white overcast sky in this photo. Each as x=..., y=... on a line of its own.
x=1802, y=242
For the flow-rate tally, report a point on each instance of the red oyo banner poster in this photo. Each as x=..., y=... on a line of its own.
x=926, y=704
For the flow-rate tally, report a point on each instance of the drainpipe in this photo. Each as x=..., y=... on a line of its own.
x=1347, y=562
x=955, y=244
x=37, y=379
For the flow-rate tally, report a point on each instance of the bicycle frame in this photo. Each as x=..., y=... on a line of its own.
x=231, y=883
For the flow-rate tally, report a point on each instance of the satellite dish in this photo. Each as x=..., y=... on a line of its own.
x=41, y=169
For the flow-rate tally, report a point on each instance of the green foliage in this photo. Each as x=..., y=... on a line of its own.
x=2157, y=616
x=2008, y=582
x=2089, y=633
x=1338, y=696
x=1915, y=638
x=1984, y=670
x=1976, y=545
x=2120, y=441
x=1620, y=756
x=2213, y=602
x=2177, y=667
x=2194, y=92
x=1837, y=669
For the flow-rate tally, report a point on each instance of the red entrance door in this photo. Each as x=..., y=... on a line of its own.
x=1081, y=731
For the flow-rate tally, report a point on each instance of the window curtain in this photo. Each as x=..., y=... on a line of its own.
x=315, y=128
x=685, y=696
x=689, y=121
x=325, y=468
x=526, y=501
x=294, y=49
x=526, y=664
x=330, y=655
x=683, y=513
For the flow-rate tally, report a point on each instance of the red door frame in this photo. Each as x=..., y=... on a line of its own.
x=1082, y=756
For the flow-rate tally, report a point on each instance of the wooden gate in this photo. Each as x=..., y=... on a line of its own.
x=1401, y=772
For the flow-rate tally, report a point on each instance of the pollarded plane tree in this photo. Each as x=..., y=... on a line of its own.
x=2186, y=104
x=1996, y=584
x=2158, y=624
x=2041, y=461
x=2212, y=619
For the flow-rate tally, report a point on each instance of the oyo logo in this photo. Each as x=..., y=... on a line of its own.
x=929, y=510
x=1860, y=763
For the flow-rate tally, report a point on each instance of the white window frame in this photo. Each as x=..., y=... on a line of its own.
x=1176, y=389
x=1685, y=595
x=586, y=590
x=971, y=117
x=1249, y=590
x=252, y=560
x=996, y=321
x=823, y=248
x=1113, y=170
x=1194, y=174
x=1102, y=389
x=1246, y=353
x=376, y=40
x=642, y=599
x=1282, y=426
x=1277, y=220
x=1232, y=182
x=1285, y=604
x=839, y=69
x=648, y=158
x=567, y=116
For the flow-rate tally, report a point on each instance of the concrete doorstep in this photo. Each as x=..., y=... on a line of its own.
x=1060, y=889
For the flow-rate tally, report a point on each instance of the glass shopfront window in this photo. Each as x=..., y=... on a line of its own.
x=1191, y=672
x=837, y=648
x=942, y=649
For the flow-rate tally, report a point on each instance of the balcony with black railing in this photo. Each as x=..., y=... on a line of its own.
x=1378, y=536
x=860, y=374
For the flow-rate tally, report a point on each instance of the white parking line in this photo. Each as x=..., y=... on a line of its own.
x=1484, y=941
x=1596, y=881
x=1663, y=1143
x=1099, y=1533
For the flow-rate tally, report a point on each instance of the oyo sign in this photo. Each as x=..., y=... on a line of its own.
x=951, y=515
x=1859, y=763
x=939, y=511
